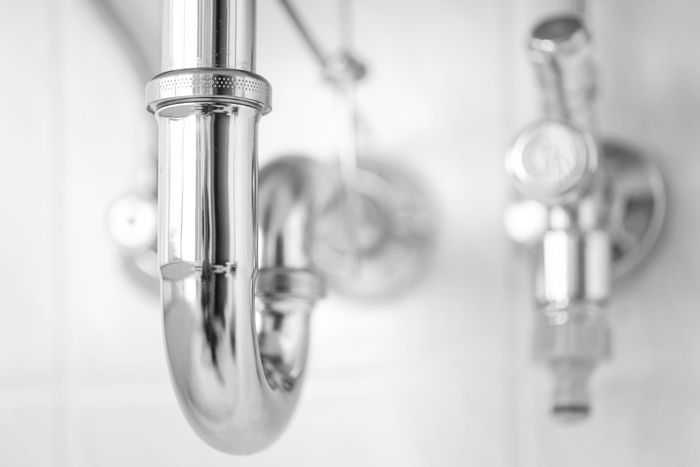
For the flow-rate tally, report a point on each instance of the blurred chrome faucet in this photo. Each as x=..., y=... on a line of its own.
x=577, y=196
x=237, y=381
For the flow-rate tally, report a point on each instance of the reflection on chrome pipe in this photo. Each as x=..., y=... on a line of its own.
x=236, y=382
x=292, y=191
x=209, y=34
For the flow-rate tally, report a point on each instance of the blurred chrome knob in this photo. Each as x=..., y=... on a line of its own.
x=552, y=162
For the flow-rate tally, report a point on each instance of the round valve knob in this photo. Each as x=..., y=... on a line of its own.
x=552, y=161
x=132, y=221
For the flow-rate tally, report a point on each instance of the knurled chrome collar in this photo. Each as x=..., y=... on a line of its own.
x=204, y=84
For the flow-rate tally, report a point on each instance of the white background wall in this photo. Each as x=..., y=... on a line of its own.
x=441, y=377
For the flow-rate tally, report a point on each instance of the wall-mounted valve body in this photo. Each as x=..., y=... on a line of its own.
x=589, y=210
x=557, y=165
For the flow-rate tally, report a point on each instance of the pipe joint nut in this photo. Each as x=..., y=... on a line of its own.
x=573, y=334
x=276, y=283
x=217, y=85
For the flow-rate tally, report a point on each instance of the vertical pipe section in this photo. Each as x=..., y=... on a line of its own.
x=207, y=103
x=209, y=34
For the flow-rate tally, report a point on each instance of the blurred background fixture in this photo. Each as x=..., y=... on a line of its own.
x=442, y=376
x=588, y=209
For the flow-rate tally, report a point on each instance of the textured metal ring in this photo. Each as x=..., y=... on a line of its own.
x=218, y=84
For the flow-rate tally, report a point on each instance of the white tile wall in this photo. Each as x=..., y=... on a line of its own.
x=440, y=377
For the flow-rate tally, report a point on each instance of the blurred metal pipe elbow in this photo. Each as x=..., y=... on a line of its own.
x=293, y=191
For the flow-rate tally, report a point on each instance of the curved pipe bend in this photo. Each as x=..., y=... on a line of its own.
x=291, y=192
x=236, y=380
x=236, y=334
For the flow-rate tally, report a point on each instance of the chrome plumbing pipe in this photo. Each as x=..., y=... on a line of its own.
x=294, y=190
x=209, y=34
x=237, y=382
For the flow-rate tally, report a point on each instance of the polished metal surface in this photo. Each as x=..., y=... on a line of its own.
x=553, y=161
x=572, y=341
x=589, y=218
x=293, y=191
x=236, y=86
x=237, y=380
x=561, y=51
x=572, y=262
x=235, y=400
x=209, y=34
x=636, y=201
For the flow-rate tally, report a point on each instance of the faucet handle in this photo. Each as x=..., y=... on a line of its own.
x=553, y=162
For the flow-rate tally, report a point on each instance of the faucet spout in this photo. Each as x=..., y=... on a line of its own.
x=237, y=383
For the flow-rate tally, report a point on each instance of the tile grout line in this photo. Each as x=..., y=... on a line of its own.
x=56, y=193
x=512, y=327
